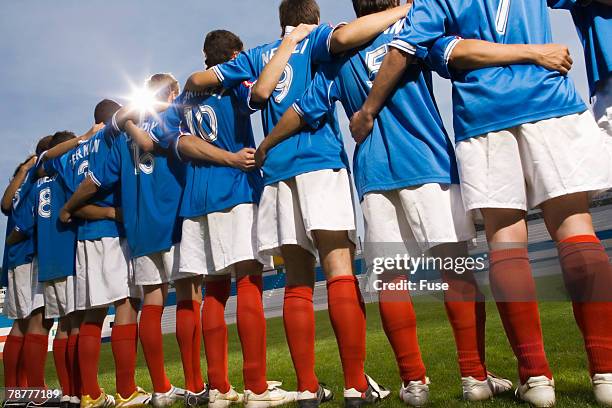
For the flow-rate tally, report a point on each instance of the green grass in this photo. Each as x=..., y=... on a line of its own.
x=562, y=340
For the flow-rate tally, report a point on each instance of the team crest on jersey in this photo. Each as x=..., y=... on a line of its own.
x=146, y=163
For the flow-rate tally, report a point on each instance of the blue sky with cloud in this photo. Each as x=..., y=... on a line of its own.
x=59, y=58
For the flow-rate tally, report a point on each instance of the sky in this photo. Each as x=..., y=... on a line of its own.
x=59, y=58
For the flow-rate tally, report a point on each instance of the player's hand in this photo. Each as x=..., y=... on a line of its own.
x=361, y=126
x=555, y=57
x=244, y=159
x=92, y=131
x=300, y=32
x=260, y=155
x=28, y=164
x=65, y=216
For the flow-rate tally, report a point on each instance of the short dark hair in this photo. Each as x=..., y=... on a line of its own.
x=61, y=137
x=220, y=46
x=296, y=12
x=365, y=7
x=105, y=110
x=43, y=144
x=163, y=84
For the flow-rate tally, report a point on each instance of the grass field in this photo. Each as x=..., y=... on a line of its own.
x=562, y=340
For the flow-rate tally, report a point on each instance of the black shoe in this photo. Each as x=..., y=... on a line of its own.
x=195, y=400
x=374, y=393
x=308, y=399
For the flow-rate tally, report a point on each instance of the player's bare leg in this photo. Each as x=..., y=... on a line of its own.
x=15, y=374
x=35, y=347
x=588, y=277
x=466, y=311
x=60, y=358
x=513, y=288
x=150, y=333
x=189, y=331
x=347, y=314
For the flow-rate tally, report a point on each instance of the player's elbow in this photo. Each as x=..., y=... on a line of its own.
x=146, y=145
x=259, y=94
x=340, y=41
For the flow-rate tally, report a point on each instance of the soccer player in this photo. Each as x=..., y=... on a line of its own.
x=524, y=140
x=103, y=273
x=306, y=206
x=19, y=271
x=151, y=181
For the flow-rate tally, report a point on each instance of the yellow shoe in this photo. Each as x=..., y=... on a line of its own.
x=103, y=401
x=139, y=398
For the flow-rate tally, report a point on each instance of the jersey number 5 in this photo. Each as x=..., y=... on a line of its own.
x=501, y=20
x=374, y=60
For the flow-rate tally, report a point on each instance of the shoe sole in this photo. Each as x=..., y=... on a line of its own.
x=314, y=402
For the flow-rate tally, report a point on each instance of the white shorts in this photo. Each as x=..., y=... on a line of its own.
x=212, y=244
x=160, y=267
x=290, y=210
x=59, y=297
x=413, y=220
x=602, y=108
x=104, y=273
x=22, y=293
x=524, y=166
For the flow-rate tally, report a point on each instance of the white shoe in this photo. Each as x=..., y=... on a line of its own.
x=476, y=390
x=272, y=397
x=307, y=399
x=165, y=399
x=538, y=391
x=374, y=393
x=415, y=394
x=602, y=388
x=218, y=399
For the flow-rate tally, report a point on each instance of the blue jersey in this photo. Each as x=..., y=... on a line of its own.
x=151, y=187
x=223, y=119
x=594, y=25
x=494, y=98
x=55, y=241
x=73, y=167
x=310, y=150
x=23, y=252
x=408, y=145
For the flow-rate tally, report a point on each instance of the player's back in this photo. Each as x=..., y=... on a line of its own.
x=218, y=117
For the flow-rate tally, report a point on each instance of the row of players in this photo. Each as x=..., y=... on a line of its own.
x=192, y=202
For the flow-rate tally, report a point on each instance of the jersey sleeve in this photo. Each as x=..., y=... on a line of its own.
x=439, y=55
x=321, y=43
x=318, y=100
x=240, y=69
x=425, y=24
x=24, y=215
x=106, y=173
x=167, y=130
x=242, y=93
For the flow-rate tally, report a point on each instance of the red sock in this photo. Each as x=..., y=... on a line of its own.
x=467, y=315
x=61, y=364
x=298, y=318
x=214, y=331
x=73, y=365
x=251, y=324
x=514, y=290
x=11, y=357
x=35, y=350
x=152, y=346
x=347, y=315
x=22, y=371
x=124, y=342
x=399, y=322
x=186, y=325
x=588, y=277
x=198, y=381
x=89, y=357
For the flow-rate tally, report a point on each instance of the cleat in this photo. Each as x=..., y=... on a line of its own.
x=476, y=390
x=272, y=397
x=139, y=398
x=602, y=388
x=222, y=400
x=416, y=393
x=103, y=401
x=165, y=399
x=65, y=401
x=307, y=399
x=75, y=402
x=374, y=393
x=196, y=399
x=538, y=391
